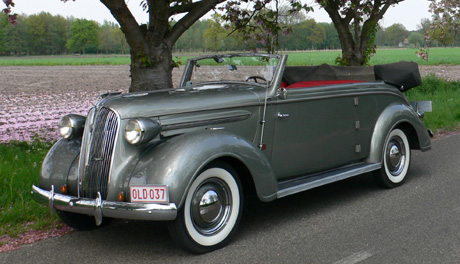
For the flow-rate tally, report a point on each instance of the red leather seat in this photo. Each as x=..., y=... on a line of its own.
x=318, y=83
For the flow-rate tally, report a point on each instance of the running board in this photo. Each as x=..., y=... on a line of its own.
x=309, y=182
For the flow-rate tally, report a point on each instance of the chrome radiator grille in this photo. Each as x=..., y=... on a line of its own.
x=102, y=142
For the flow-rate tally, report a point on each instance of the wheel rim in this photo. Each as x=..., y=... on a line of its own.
x=211, y=206
x=395, y=156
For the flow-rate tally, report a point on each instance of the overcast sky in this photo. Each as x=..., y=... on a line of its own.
x=409, y=12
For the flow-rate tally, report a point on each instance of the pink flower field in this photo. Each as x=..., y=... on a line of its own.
x=33, y=99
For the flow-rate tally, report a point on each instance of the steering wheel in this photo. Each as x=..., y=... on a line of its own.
x=255, y=78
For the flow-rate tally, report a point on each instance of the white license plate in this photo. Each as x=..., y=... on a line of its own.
x=149, y=194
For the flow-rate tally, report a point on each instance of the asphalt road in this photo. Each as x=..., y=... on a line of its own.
x=353, y=221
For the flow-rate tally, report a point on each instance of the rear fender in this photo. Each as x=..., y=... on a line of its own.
x=177, y=161
x=393, y=116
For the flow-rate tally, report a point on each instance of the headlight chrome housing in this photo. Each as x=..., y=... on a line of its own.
x=71, y=126
x=141, y=130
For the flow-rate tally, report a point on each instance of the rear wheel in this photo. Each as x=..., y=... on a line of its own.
x=396, y=160
x=211, y=212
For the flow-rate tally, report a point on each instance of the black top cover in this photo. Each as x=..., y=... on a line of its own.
x=404, y=74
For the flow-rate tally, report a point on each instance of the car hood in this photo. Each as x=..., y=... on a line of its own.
x=183, y=101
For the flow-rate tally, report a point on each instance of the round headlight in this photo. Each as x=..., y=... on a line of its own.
x=65, y=127
x=141, y=130
x=71, y=126
x=134, y=131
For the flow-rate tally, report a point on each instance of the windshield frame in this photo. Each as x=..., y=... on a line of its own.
x=276, y=80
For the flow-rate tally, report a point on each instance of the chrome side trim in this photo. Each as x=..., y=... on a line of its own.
x=339, y=95
x=101, y=208
x=306, y=183
x=210, y=122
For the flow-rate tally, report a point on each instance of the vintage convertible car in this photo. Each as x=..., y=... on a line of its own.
x=237, y=124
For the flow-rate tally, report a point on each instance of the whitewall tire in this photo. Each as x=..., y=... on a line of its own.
x=211, y=212
x=395, y=161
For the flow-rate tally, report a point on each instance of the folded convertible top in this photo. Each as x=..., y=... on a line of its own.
x=403, y=75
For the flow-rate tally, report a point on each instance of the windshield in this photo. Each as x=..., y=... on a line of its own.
x=224, y=68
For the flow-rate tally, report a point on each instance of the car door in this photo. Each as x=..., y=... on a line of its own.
x=315, y=130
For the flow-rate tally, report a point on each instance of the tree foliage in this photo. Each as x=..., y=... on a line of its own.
x=111, y=39
x=261, y=22
x=395, y=34
x=214, y=35
x=83, y=35
x=45, y=34
x=446, y=18
x=416, y=39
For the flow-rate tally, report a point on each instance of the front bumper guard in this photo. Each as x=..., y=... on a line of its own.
x=100, y=208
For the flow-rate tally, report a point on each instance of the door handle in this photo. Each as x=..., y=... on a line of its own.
x=280, y=115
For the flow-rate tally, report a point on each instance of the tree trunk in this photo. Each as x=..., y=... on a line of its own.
x=151, y=69
x=354, y=57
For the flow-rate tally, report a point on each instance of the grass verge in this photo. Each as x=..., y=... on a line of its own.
x=445, y=96
x=20, y=164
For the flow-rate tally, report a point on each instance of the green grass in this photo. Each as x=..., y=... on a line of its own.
x=65, y=60
x=449, y=56
x=20, y=164
x=445, y=96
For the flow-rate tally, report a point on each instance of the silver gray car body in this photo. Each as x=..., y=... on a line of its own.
x=280, y=141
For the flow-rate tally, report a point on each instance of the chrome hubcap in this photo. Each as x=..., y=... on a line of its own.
x=395, y=156
x=211, y=206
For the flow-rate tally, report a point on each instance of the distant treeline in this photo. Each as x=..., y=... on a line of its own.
x=45, y=34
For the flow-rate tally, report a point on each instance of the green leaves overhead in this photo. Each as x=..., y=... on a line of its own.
x=260, y=22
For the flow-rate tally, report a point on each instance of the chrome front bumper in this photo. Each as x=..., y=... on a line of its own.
x=99, y=208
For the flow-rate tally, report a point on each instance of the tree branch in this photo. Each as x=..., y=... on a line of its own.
x=245, y=24
x=187, y=21
x=184, y=8
x=341, y=24
x=128, y=23
x=386, y=6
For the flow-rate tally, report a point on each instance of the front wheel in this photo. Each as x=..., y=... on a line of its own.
x=396, y=160
x=211, y=212
x=80, y=222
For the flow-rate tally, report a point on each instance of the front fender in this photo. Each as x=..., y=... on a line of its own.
x=178, y=161
x=61, y=166
x=393, y=116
